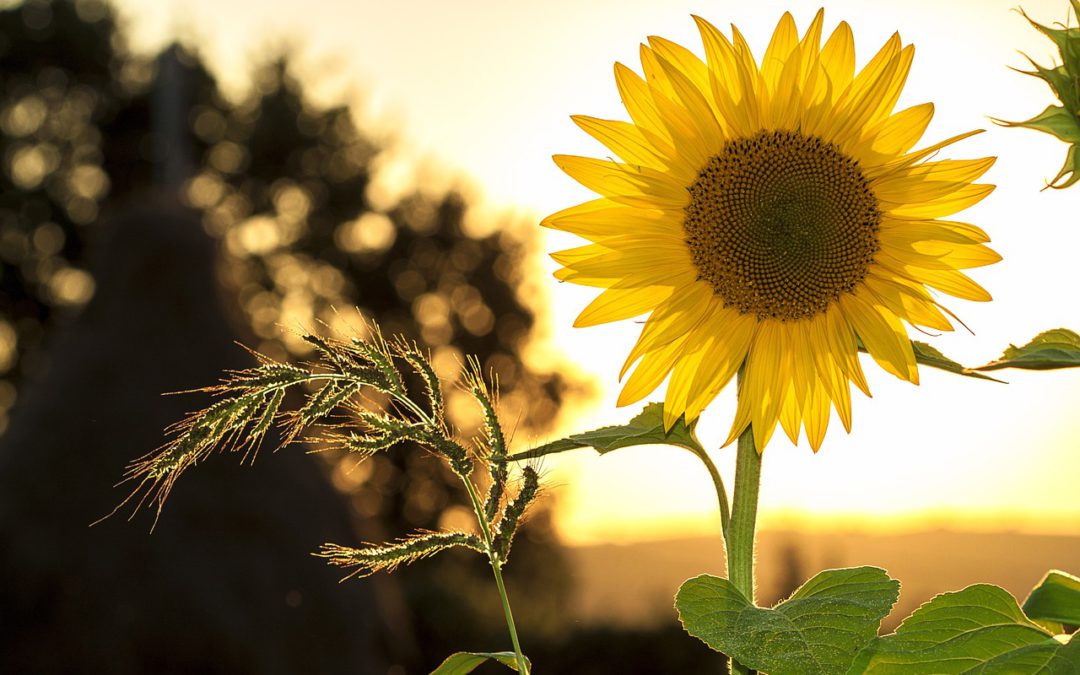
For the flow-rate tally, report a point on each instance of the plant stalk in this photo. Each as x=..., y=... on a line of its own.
x=740, y=535
x=493, y=556
x=721, y=493
x=740, y=542
x=496, y=568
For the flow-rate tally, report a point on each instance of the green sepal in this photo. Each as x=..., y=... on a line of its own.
x=466, y=662
x=1052, y=349
x=1070, y=169
x=1055, y=120
x=646, y=428
x=817, y=631
x=1056, y=599
x=1062, y=121
x=980, y=629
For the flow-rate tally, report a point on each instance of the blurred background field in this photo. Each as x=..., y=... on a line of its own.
x=177, y=176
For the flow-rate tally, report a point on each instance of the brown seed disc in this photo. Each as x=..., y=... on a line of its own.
x=781, y=224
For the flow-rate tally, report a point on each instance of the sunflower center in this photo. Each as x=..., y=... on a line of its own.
x=781, y=224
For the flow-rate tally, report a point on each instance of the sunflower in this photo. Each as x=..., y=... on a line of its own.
x=773, y=219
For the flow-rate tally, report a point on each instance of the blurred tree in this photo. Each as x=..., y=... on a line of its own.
x=284, y=184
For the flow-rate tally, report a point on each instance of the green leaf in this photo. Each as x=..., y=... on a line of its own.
x=977, y=630
x=1056, y=598
x=818, y=630
x=1058, y=348
x=466, y=662
x=647, y=428
x=931, y=356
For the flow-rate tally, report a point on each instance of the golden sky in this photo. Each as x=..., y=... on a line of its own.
x=485, y=88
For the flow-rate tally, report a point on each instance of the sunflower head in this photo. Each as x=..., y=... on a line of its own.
x=773, y=219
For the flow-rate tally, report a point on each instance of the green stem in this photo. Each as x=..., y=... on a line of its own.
x=718, y=485
x=740, y=536
x=496, y=568
x=740, y=542
x=485, y=530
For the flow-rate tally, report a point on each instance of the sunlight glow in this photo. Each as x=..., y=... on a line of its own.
x=487, y=88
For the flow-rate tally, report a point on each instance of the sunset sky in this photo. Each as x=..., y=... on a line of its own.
x=484, y=89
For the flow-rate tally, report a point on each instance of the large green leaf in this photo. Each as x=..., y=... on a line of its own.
x=817, y=631
x=980, y=630
x=647, y=428
x=1056, y=598
x=466, y=662
x=1058, y=348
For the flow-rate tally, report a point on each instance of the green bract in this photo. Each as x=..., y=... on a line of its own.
x=1062, y=121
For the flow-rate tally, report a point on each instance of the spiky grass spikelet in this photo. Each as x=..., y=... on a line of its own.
x=388, y=557
x=248, y=403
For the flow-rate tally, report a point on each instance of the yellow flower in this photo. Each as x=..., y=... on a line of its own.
x=770, y=218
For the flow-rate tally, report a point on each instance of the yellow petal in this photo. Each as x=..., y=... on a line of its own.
x=816, y=415
x=706, y=127
x=731, y=335
x=724, y=79
x=930, y=181
x=952, y=282
x=683, y=59
x=681, y=313
x=838, y=58
x=955, y=256
x=810, y=45
x=954, y=201
x=895, y=135
x=874, y=90
x=841, y=339
x=905, y=232
x=628, y=141
x=602, y=218
x=690, y=362
x=830, y=369
x=652, y=370
x=749, y=78
x=766, y=379
x=598, y=260
x=633, y=186
x=784, y=40
x=638, y=100
x=791, y=417
x=694, y=149
x=907, y=303
x=882, y=334
x=616, y=304
x=873, y=172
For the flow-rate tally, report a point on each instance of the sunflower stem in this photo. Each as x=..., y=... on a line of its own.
x=740, y=533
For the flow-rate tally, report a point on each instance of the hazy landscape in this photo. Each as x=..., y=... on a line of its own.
x=633, y=584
